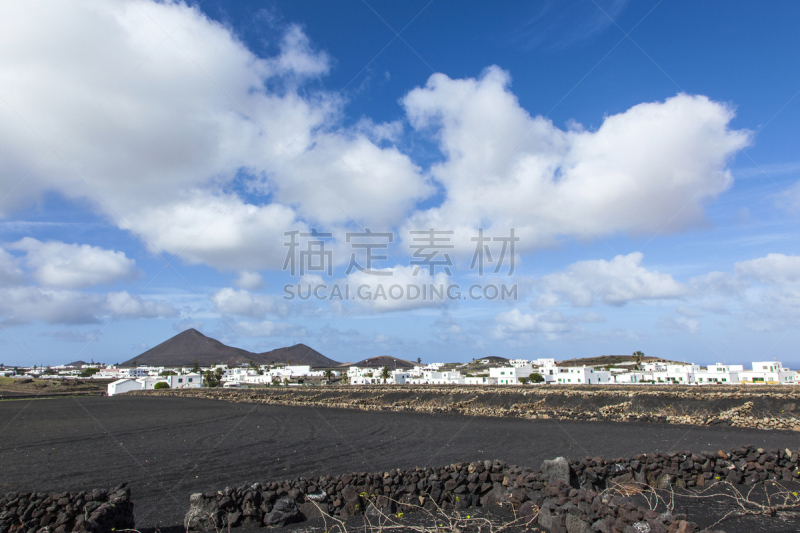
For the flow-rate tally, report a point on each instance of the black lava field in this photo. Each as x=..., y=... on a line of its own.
x=168, y=448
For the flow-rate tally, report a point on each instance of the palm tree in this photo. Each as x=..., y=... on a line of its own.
x=329, y=375
x=638, y=356
x=385, y=374
x=419, y=360
x=345, y=379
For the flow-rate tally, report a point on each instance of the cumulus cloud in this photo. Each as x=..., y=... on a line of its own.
x=10, y=272
x=398, y=289
x=297, y=56
x=249, y=280
x=772, y=269
x=266, y=328
x=552, y=324
x=245, y=303
x=154, y=110
x=615, y=282
x=57, y=306
x=73, y=266
x=648, y=169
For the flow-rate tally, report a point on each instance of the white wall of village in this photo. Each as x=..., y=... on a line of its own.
x=515, y=372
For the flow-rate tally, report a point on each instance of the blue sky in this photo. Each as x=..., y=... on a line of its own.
x=645, y=154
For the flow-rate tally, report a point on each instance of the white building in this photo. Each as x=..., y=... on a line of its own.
x=185, y=381
x=771, y=372
x=510, y=375
x=680, y=374
x=583, y=375
x=719, y=373
x=480, y=380
x=123, y=385
x=429, y=377
x=149, y=382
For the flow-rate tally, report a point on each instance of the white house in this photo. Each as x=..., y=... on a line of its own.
x=680, y=374
x=428, y=377
x=481, y=380
x=510, y=375
x=771, y=372
x=184, y=381
x=123, y=385
x=150, y=382
x=719, y=373
x=583, y=375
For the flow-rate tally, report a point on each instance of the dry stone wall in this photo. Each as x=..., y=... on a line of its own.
x=95, y=511
x=562, y=495
x=762, y=407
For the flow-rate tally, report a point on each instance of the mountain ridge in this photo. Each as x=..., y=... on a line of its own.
x=190, y=346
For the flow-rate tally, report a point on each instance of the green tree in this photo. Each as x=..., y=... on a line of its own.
x=196, y=366
x=286, y=382
x=523, y=380
x=161, y=385
x=638, y=356
x=385, y=374
x=89, y=372
x=345, y=379
x=536, y=378
x=168, y=373
x=419, y=360
x=328, y=375
x=211, y=378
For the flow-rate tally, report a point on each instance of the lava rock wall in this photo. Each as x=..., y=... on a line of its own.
x=565, y=494
x=95, y=511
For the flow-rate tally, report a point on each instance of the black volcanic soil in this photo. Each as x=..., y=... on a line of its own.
x=170, y=447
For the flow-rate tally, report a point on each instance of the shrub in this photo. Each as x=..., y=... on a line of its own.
x=89, y=372
x=536, y=377
x=161, y=385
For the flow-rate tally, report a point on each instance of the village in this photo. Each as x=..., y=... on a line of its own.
x=386, y=370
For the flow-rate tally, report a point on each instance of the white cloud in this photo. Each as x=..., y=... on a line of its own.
x=249, y=280
x=552, y=324
x=245, y=303
x=57, y=306
x=648, y=169
x=721, y=283
x=772, y=269
x=123, y=304
x=399, y=291
x=159, y=127
x=615, y=282
x=222, y=231
x=72, y=266
x=267, y=328
x=347, y=177
x=297, y=56
x=10, y=272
